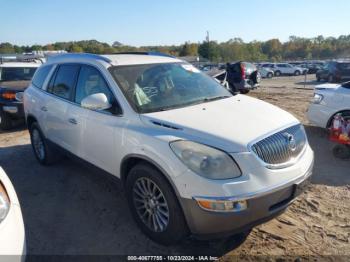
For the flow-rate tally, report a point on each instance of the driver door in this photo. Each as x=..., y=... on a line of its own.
x=102, y=134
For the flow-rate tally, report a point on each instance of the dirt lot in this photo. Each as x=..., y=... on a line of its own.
x=70, y=208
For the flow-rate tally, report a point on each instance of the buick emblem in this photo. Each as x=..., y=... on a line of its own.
x=292, y=145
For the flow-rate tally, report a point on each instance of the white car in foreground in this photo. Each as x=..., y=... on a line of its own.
x=329, y=99
x=194, y=158
x=12, y=235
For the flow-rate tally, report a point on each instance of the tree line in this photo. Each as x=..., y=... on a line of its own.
x=296, y=48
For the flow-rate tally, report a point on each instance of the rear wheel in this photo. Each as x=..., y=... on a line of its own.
x=244, y=91
x=45, y=154
x=5, y=121
x=331, y=79
x=277, y=73
x=154, y=205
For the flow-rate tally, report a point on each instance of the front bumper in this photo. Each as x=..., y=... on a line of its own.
x=13, y=108
x=12, y=235
x=262, y=206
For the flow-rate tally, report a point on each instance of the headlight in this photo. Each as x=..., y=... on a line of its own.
x=4, y=203
x=317, y=98
x=206, y=161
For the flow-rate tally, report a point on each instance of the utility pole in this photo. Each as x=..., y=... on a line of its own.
x=208, y=40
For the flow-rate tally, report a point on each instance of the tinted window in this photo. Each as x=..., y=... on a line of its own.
x=64, y=81
x=40, y=76
x=16, y=73
x=344, y=66
x=91, y=82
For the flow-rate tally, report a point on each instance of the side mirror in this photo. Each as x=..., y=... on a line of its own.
x=97, y=101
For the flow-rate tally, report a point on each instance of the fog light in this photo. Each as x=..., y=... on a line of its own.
x=221, y=205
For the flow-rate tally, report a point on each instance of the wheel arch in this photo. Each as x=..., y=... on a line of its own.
x=30, y=119
x=133, y=159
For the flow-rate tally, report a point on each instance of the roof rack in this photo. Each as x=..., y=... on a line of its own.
x=79, y=55
x=20, y=58
x=144, y=53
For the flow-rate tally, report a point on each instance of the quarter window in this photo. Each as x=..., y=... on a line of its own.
x=64, y=81
x=40, y=76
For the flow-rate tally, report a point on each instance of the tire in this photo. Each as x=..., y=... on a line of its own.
x=244, y=91
x=5, y=121
x=277, y=73
x=269, y=75
x=165, y=229
x=43, y=152
x=344, y=114
x=297, y=73
x=342, y=152
x=331, y=79
x=318, y=79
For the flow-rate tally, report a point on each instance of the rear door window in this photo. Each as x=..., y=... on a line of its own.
x=40, y=76
x=64, y=81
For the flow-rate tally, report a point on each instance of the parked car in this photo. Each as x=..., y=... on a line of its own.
x=287, y=69
x=329, y=100
x=194, y=158
x=12, y=234
x=266, y=72
x=312, y=68
x=334, y=72
x=14, y=78
x=242, y=76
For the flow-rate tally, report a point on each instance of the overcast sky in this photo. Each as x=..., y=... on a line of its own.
x=165, y=22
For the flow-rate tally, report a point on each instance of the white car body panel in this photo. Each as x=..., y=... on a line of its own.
x=12, y=234
x=335, y=99
x=230, y=125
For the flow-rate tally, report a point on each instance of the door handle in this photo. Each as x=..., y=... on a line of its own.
x=72, y=121
x=44, y=109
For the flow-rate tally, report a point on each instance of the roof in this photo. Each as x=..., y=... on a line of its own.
x=114, y=59
x=19, y=64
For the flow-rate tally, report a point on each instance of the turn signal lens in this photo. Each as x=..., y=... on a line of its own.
x=9, y=95
x=222, y=205
x=4, y=203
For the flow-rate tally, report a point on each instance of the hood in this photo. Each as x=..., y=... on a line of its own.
x=230, y=124
x=15, y=85
x=327, y=86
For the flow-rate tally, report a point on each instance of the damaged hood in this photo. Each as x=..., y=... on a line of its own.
x=230, y=123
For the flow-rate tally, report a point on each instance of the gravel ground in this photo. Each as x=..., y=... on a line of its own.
x=71, y=208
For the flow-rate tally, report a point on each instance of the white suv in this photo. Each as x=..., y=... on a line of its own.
x=194, y=158
x=288, y=69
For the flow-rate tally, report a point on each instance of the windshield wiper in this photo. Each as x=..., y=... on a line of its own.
x=209, y=99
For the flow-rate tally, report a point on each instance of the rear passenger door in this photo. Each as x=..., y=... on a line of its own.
x=59, y=126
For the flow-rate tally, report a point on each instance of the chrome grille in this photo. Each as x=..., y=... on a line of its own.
x=281, y=147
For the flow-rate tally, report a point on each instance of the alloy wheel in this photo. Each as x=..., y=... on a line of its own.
x=151, y=205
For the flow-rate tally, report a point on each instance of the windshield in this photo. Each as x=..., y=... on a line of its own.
x=16, y=73
x=158, y=87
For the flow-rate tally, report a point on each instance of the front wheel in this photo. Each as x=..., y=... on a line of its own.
x=297, y=73
x=154, y=205
x=269, y=75
x=5, y=121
